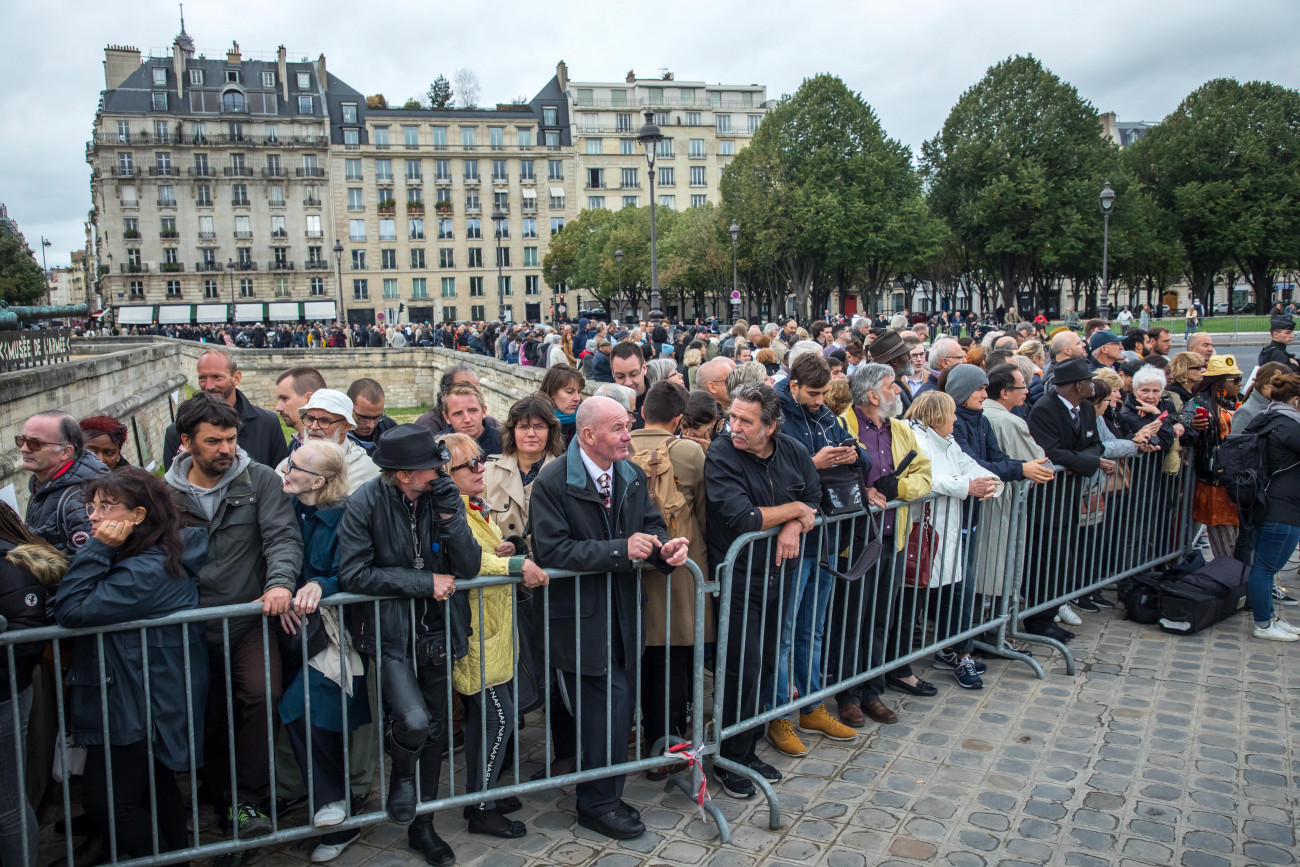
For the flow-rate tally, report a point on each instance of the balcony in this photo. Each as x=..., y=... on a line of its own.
x=414, y=179
x=473, y=209
x=316, y=265
x=126, y=172
x=273, y=173
x=202, y=267
x=597, y=186
x=202, y=172
x=415, y=209
x=500, y=179
x=442, y=179
x=131, y=235
x=245, y=266
x=171, y=267
x=203, y=202
x=166, y=203
x=310, y=172
x=281, y=266
x=387, y=207
x=530, y=206
x=383, y=179
x=276, y=203
x=237, y=172
x=443, y=209
x=163, y=171
x=475, y=180
x=134, y=268
x=527, y=180
x=169, y=233
x=244, y=236
x=627, y=186
x=314, y=233
x=311, y=202
x=239, y=202
x=207, y=236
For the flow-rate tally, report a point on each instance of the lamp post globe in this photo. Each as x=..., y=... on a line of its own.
x=498, y=216
x=338, y=266
x=649, y=138
x=1106, y=201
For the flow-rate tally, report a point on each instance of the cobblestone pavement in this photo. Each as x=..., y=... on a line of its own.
x=1163, y=750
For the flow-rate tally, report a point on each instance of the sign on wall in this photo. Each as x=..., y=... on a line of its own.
x=34, y=347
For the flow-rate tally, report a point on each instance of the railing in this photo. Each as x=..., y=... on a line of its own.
x=311, y=172
x=138, y=268
x=243, y=236
x=237, y=171
x=316, y=265
x=245, y=266
x=207, y=236
x=208, y=266
x=273, y=173
x=171, y=267
x=311, y=203
x=163, y=171
x=166, y=203
x=204, y=172
x=281, y=266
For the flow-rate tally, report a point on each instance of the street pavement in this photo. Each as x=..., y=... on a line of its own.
x=1162, y=750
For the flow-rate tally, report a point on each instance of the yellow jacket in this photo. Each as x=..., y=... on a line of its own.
x=915, y=482
x=495, y=636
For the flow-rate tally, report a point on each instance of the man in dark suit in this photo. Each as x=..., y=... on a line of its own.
x=1064, y=515
x=592, y=513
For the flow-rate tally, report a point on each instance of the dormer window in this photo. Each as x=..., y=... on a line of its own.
x=268, y=79
x=232, y=76
x=304, y=81
x=196, y=76
x=160, y=76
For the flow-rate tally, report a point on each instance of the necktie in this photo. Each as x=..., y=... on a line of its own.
x=1074, y=418
x=603, y=484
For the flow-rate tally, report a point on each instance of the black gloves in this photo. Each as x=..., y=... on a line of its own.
x=445, y=496
x=888, y=485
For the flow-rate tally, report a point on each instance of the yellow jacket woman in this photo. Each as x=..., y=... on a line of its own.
x=493, y=636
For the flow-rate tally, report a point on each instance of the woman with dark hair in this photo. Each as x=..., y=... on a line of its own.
x=29, y=568
x=563, y=385
x=139, y=565
x=702, y=419
x=103, y=436
x=1257, y=396
x=1215, y=400
x=530, y=436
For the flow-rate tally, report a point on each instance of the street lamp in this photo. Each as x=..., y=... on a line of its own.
x=497, y=216
x=45, y=269
x=618, y=257
x=649, y=137
x=1107, y=202
x=230, y=271
x=735, y=280
x=338, y=267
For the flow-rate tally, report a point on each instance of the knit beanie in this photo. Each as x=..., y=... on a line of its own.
x=963, y=380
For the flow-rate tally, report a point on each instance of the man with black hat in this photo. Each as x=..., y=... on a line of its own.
x=405, y=534
x=889, y=348
x=1282, y=331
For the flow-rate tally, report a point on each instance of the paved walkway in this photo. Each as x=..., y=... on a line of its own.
x=1163, y=750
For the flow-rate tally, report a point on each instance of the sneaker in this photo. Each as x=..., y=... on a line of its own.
x=764, y=770
x=734, y=784
x=1282, y=624
x=949, y=659
x=1098, y=599
x=1085, y=603
x=235, y=859
x=330, y=814
x=329, y=851
x=820, y=720
x=1067, y=616
x=1281, y=597
x=966, y=675
x=251, y=821
x=780, y=734
x=1276, y=632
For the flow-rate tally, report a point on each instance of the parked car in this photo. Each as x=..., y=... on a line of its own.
x=1221, y=308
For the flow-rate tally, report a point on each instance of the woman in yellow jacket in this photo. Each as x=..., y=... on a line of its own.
x=484, y=676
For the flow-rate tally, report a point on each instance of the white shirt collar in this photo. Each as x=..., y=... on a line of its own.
x=1069, y=406
x=594, y=471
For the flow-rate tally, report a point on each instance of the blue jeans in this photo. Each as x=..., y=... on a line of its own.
x=16, y=813
x=1274, y=543
x=802, y=628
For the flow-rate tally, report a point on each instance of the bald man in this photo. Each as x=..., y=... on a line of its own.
x=1064, y=346
x=712, y=378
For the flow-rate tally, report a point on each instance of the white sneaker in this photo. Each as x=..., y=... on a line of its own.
x=1282, y=624
x=329, y=851
x=1065, y=614
x=330, y=814
x=1275, y=631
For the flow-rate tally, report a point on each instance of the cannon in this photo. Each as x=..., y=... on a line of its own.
x=11, y=318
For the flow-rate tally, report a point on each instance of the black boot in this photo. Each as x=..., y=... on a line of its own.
x=423, y=839
x=402, y=800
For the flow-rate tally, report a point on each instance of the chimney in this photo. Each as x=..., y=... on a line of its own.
x=119, y=62
x=282, y=70
x=320, y=73
x=232, y=53
x=562, y=74
x=178, y=67
x=631, y=76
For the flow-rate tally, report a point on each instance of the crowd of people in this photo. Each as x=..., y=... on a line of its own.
x=692, y=440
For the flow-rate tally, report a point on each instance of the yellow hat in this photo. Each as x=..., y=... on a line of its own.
x=1222, y=365
x=1057, y=330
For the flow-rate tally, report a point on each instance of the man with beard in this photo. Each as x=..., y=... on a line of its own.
x=254, y=554
x=890, y=349
x=260, y=434
x=328, y=416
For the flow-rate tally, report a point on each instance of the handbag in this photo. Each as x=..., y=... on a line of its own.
x=1118, y=480
x=841, y=490
x=861, y=563
x=1092, y=508
x=920, y=554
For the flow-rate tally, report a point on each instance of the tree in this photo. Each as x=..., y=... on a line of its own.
x=21, y=280
x=1015, y=173
x=412, y=104
x=376, y=101
x=467, y=88
x=440, y=94
x=1224, y=163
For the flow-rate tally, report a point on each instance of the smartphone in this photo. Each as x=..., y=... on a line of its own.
x=1202, y=412
x=1164, y=415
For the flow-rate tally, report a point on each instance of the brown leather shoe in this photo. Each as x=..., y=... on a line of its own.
x=880, y=712
x=851, y=714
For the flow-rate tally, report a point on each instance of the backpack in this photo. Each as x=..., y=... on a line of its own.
x=532, y=353
x=665, y=492
x=1241, y=466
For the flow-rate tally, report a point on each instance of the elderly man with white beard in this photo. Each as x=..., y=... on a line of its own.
x=328, y=416
x=875, y=621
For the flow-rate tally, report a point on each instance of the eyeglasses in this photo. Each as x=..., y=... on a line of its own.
x=290, y=466
x=102, y=508
x=319, y=421
x=1198, y=367
x=34, y=444
x=363, y=417
x=473, y=464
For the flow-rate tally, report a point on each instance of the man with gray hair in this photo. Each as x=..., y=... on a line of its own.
x=51, y=450
x=796, y=350
x=621, y=394
x=944, y=354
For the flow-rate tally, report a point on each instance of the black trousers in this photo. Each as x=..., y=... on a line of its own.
x=667, y=675
x=864, y=632
x=753, y=641
x=328, y=782
x=416, y=703
x=130, y=808
x=250, y=663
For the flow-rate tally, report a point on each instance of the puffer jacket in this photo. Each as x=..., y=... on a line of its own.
x=493, y=642
x=815, y=431
x=26, y=571
x=56, y=511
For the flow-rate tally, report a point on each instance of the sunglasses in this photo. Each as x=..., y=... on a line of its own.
x=1200, y=367
x=473, y=464
x=34, y=444
x=290, y=466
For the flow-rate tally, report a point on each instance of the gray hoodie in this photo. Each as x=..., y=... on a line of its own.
x=207, y=498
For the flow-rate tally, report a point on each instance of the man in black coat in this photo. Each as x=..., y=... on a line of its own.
x=1063, y=515
x=1281, y=331
x=592, y=513
x=405, y=534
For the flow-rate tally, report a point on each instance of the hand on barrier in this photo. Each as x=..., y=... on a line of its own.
x=444, y=586
x=534, y=575
x=787, y=542
x=641, y=545
x=1107, y=466
x=983, y=487
x=674, y=551
x=807, y=516
x=276, y=601
x=289, y=622
x=506, y=549
x=1038, y=471
x=878, y=499
x=308, y=598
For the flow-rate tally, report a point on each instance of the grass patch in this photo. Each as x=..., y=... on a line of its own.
x=406, y=414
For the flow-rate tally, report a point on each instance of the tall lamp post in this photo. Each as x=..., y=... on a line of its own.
x=338, y=268
x=1107, y=202
x=649, y=137
x=618, y=257
x=230, y=271
x=735, y=278
x=497, y=216
x=45, y=269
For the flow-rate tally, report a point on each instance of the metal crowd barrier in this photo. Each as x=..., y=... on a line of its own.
x=512, y=782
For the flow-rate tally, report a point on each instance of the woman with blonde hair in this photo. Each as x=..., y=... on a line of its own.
x=1186, y=370
x=693, y=359
x=751, y=371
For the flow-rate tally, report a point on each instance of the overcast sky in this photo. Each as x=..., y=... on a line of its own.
x=909, y=60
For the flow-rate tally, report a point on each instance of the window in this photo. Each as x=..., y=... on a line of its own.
x=442, y=194
x=499, y=172
x=316, y=286
x=304, y=81
x=414, y=196
x=390, y=287
x=526, y=170
x=360, y=290
x=692, y=118
x=595, y=203
x=268, y=79
x=697, y=201
x=501, y=200
x=449, y=313
x=137, y=287
x=235, y=131
x=419, y=287
x=585, y=97
x=557, y=225
x=415, y=230
x=201, y=166
x=442, y=170
x=667, y=176
x=313, y=226
x=594, y=145
x=549, y=115
x=349, y=112
x=246, y=287
x=411, y=136
x=476, y=287
x=203, y=195
x=503, y=257
x=355, y=201
x=205, y=227
x=697, y=176
x=473, y=228
x=445, y=232
x=661, y=118
x=715, y=99
x=496, y=136
x=277, y=227
x=447, y=257
x=281, y=287
x=281, y=255
x=629, y=179
x=358, y=260
x=244, y=257
x=314, y=255
x=356, y=230
x=379, y=137
x=665, y=148
x=471, y=170
x=352, y=170
x=525, y=138
x=475, y=255
x=477, y=312
x=448, y=287
x=388, y=230
x=310, y=167
x=304, y=105
x=631, y=201
x=125, y=163
x=530, y=257
x=383, y=171
x=746, y=99
x=669, y=202
x=530, y=227
x=589, y=122
x=754, y=121
x=131, y=227
x=439, y=136
x=503, y=283
x=162, y=131
x=532, y=284
x=467, y=134
x=128, y=197
x=655, y=95
x=726, y=147
x=723, y=123
x=557, y=202
x=555, y=170
x=618, y=97
x=160, y=102
x=471, y=200
x=417, y=258
x=552, y=139
x=273, y=168
x=622, y=123
x=167, y=195
x=387, y=260
x=170, y=257
x=210, y=290
x=133, y=259
x=196, y=76
x=413, y=170
x=627, y=147
x=123, y=132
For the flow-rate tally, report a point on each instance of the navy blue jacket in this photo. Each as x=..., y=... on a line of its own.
x=815, y=431
x=975, y=436
x=600, y=369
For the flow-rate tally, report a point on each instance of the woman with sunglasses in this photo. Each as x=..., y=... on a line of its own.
x=1215, y=400
x=316, y=480
x=484, y=676
x=1186, y=370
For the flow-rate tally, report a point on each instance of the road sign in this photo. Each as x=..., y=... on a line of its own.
x=735, y=295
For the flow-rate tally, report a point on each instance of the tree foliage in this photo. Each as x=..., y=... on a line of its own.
x=21, y=280
x=467, y=88
x=376, y=101
x=411, y=104
x=440, y=93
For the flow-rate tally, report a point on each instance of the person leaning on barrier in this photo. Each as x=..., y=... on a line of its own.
x=255, y=554
x=316, y=481
x=30, y=568
x=52, y=452
x=139, y=565
x=405, y=535
x=871, y=625
x=592, y=513
x=758, y=479
x=484, y=676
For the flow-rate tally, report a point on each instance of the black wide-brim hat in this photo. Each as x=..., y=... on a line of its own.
x=409, y=447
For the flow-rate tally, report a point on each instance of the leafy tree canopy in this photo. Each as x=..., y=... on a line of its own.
x=21, y=281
